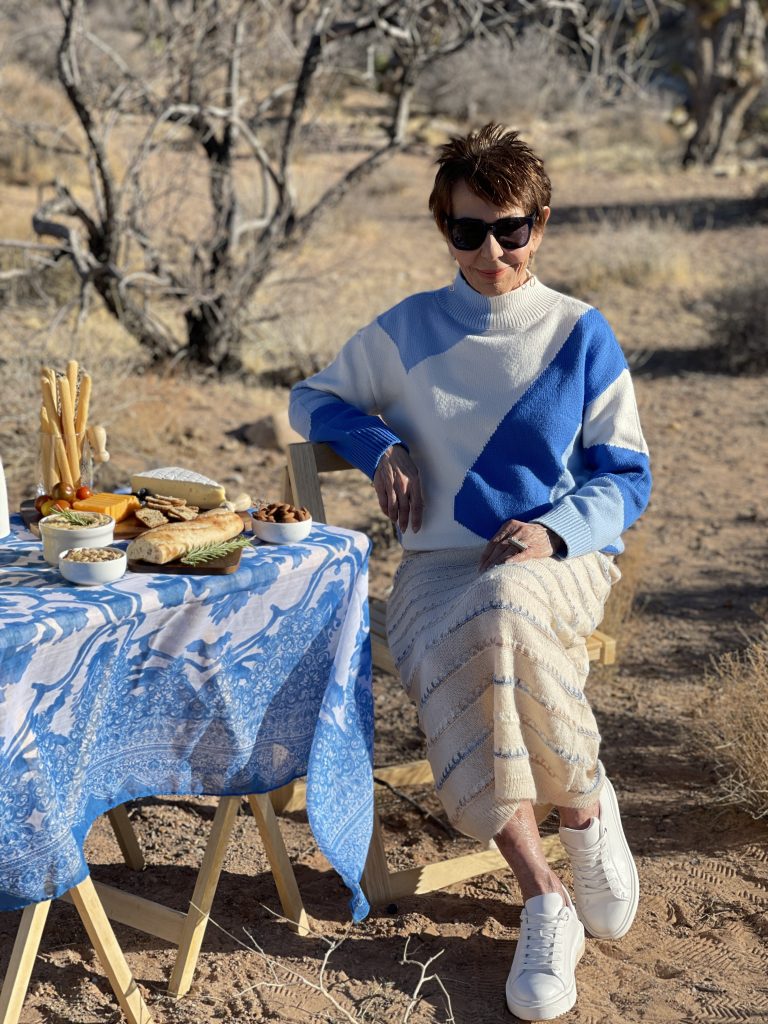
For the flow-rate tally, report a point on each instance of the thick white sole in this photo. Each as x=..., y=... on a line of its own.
x=549, y=1011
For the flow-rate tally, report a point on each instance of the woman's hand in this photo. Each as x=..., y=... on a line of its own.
x=398, y=488
x=539, y=541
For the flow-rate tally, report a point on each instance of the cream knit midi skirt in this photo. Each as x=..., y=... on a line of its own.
x=496, y=665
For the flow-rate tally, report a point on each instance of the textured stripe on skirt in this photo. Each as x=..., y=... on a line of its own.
x=496, y=665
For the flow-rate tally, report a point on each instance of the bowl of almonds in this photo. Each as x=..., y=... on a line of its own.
x=281, y=523
x=92, y=567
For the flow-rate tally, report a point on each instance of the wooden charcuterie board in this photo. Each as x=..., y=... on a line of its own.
x=216, y=566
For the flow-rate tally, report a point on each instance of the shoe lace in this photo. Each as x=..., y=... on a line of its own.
x=594, y=871
x=543, y=943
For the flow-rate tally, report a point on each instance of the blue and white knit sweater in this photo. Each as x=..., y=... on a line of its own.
x=518, y=406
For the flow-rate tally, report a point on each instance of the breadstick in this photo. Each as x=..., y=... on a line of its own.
x=68, y=428
x=65, y=473
x=72, y=371
x=49, y=404
x=81, y=417
x=47, y=453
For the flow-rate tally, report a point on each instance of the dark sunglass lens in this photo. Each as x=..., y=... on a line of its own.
x=467, y=234
x=513, y=234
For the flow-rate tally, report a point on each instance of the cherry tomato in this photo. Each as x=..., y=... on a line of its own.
x=49, y=507
x=64, y=491
x=40, y=501
x=83, y=492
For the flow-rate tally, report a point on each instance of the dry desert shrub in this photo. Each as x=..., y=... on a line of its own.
x=493, y=78
x=735, y=718
x=738, y=328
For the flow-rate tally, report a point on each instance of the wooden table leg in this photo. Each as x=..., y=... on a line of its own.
x=104, y=942
x=126, y=838
x=109, y=953
x=279, y=861
x=202, y=898
x=22, y=960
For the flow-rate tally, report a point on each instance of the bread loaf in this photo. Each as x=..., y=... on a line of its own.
x=167, y=543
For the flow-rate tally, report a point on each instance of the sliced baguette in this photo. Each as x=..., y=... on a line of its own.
x=167, y=543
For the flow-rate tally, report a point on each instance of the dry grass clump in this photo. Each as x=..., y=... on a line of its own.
x=739, y=328
x=638, y=254
x=736, y=725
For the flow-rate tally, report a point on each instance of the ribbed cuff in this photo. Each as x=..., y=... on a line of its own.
x=569, y=524
x=364, y=448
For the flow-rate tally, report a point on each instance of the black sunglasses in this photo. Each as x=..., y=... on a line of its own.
x=467, y=233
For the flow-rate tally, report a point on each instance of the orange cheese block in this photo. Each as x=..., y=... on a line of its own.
x=119, y=506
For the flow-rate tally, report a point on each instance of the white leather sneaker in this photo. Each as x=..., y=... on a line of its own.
x=541, y=983
x=605, y=883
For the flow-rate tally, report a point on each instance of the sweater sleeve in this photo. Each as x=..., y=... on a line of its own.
x=339, y=405
x=615, y=482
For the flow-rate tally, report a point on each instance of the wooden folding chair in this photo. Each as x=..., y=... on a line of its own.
x=186, y=930
x=306, y=461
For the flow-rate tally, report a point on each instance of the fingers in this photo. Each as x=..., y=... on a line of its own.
x=499, y=552
x=398, y=489
x=515, y=541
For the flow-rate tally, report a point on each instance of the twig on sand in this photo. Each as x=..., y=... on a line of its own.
x=416, y=997
x=448, y=829
x=275, y=966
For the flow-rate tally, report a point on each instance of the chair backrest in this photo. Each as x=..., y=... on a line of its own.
x=305, y=462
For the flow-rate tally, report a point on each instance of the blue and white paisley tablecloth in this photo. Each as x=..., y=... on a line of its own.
x=161, y=684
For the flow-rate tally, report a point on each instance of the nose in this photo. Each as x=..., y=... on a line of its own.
x=490, y=248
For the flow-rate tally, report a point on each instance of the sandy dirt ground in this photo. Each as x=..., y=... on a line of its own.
x=698, y=952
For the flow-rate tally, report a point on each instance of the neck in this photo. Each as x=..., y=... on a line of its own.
x=514, y=309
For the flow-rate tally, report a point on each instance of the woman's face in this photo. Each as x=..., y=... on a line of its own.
x=490, y=269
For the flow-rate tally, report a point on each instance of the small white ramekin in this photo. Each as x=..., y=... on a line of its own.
x=93, y=574
x=281, y=533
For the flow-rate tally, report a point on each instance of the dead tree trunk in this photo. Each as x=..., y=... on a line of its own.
x=730, y=70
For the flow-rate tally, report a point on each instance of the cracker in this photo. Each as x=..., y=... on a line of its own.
x=180, y=512
x=151, y=517
x=168, y=498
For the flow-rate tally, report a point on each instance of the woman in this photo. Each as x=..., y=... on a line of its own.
x=497, y=420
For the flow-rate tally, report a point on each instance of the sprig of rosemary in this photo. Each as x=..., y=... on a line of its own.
x=217, y=549
x=76, y=518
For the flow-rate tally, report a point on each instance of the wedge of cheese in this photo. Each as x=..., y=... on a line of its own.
x=180, y=483
x=119, y=506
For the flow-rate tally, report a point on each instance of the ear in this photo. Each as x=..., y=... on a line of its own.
x=538, y=231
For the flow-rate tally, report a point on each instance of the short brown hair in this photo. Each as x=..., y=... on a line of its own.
x=497, y=166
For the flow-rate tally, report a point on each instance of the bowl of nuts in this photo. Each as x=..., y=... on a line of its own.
x=92, y=567
x=281, y=523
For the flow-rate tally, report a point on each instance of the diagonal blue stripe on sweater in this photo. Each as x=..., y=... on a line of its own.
x=523, y=460
x=421, y=328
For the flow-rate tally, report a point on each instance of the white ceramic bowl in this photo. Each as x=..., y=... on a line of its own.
x=93, y=574
x=281, y=533
x=58, y=537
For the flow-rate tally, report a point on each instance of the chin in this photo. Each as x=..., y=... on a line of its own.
x=500, y=286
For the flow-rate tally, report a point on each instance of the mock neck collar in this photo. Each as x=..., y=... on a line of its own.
x=516, y=309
